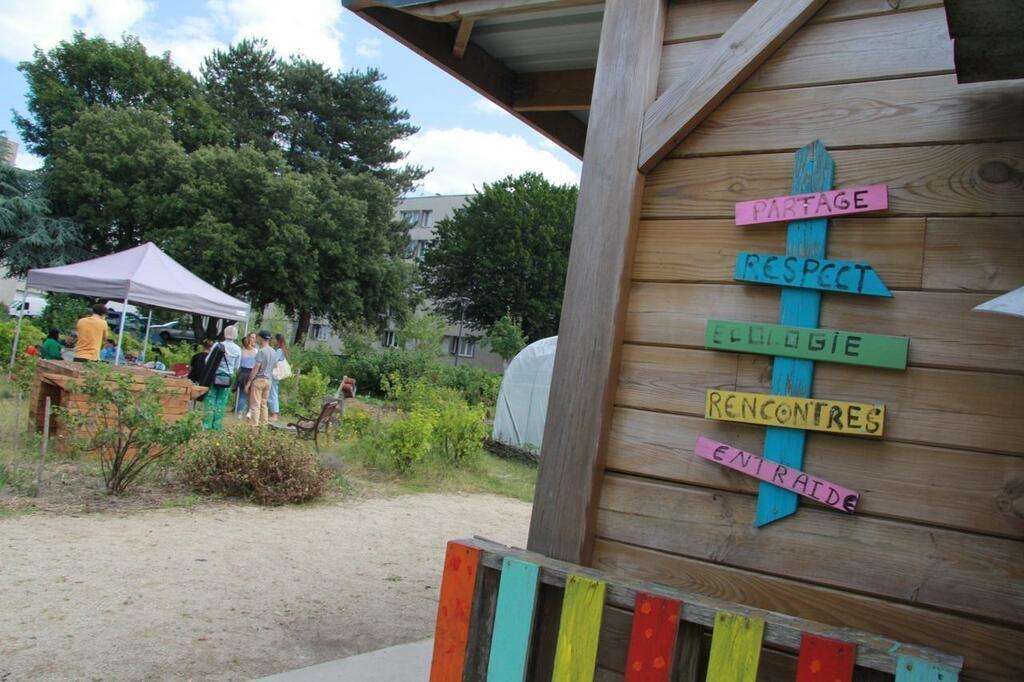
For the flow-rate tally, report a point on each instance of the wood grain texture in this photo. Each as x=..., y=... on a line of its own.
x=776, y=410
x=825, y=660
x=883, y=47
x=455, y=602
x=927, y=110
x=597, y=283
x=481, y=624
x=652, y=640
x=735, y=648
x=957, y=409
x=959, y=489
x=701, y=19
x=742, y=48
x=813, y=171
x=554, y=90
x=579, y=631
x=992, y=653
x=982, y=254
x=910, y=670
x=781, y=630
x=705, y=250
x=513, y=621
x=943, y=327
x=958, y=572
x=949, y=180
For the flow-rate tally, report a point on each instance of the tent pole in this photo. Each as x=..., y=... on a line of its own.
x=17, y=330
x=145, y=341
x=120, y=332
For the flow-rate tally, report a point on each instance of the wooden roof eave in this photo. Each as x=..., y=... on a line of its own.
x=436, y=41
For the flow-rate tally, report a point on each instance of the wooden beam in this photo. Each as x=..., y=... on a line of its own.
x=462, y=37
x=554, y=90
x=479, y=70
x=597, y=284
x=737, y=54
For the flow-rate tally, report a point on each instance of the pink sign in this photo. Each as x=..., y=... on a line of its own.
x=777, y=474
x=815, y=205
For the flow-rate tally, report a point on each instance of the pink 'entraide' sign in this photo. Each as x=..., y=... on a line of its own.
x=815, y=205
x=817, y=489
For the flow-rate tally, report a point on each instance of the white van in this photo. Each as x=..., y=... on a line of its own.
x=34, y=306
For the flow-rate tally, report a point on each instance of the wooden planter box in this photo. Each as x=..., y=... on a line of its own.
x=54, y=379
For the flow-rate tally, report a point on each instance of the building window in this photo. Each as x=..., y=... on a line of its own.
x=318, y=332
x=416, y=249
x=464, y=347
x=417, y=218
x=389, y=339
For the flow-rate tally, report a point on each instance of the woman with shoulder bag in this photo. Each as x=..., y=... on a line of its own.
x=282, y=370
x=222, y=363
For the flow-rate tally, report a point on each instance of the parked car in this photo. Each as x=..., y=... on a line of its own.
x=132, y=322
x=34, y=306
x=170, y=332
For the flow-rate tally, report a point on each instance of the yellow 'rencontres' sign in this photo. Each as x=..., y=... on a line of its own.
x=831, y=416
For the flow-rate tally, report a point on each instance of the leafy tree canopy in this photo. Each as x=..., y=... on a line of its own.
x=505, y=252
x=88, y=72
x=506, y=337
x=30, y=237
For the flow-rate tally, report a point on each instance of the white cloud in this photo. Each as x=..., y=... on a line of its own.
x=463, y=159
x=27, y=161
x=486, y=106
x=188, y=42
x=44, y=23
x=311, y=28
x=368, y=48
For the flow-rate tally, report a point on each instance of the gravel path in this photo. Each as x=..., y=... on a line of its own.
x=228, y=592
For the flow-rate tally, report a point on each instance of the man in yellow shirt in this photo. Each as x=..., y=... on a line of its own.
x=92, y=331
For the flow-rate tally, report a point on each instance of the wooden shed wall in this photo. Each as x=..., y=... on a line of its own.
x=935, y=554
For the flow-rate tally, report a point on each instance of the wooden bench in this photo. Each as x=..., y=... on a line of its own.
x=489, y=599
x=304, y=427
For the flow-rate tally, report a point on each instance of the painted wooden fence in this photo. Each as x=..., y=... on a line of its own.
x=474, y=626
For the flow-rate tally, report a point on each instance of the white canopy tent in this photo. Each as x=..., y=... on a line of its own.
x=523, y=399
x=145, y=275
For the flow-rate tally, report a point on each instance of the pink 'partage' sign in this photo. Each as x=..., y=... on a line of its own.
x=815, y=205
x=817, y=489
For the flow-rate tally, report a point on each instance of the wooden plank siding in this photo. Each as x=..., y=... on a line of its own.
x=934, y=553
x=874, y=48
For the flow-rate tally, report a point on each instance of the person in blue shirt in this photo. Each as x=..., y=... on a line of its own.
x=110, y=353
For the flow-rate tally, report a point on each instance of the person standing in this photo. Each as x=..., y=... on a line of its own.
x=260, y=380
x=223, y=374
x=198, y=364
x=51, y=348
x=245, y=365
x=92, y=331
x=273, y=401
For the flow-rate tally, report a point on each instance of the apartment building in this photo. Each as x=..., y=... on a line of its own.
x=462, y=344
x=8, y=151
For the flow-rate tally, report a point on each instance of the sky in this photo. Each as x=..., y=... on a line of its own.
x=464, y=138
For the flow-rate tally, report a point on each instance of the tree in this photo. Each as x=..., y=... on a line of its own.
x=30, y=237
x=242, y=84
x=114, y=171
x=88, y=72
x=504, y=252
x=506, y=337
x=62, y=311
x=346, y=121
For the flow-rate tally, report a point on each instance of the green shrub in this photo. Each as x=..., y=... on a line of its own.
x=124, y=424
x=303, y=397
x=477, y=385
x=358, y=422
x=63, y=311
x=24, y=364
x=417, y=393
x=320, y=357
x=459, y=431
x=406, y=441
x=172, y=353
x=261, y=465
